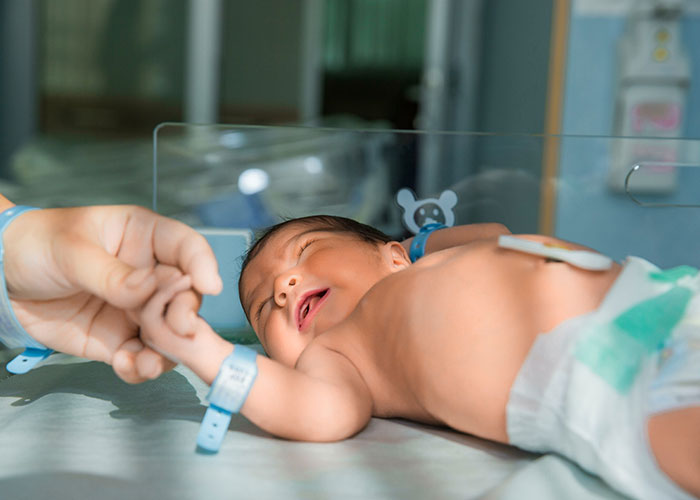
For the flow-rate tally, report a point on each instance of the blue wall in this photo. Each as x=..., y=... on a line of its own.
x=587, y=211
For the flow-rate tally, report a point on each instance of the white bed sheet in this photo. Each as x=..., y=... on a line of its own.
x=71, y=429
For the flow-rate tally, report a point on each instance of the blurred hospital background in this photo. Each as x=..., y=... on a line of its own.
x=576, y=118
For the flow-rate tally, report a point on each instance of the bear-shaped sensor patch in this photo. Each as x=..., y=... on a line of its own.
x=418, y=213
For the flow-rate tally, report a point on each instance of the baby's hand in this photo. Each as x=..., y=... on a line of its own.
x=181, y=302
x=169, y=324
x=163, y=317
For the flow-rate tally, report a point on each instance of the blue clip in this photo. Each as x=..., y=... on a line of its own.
x=417, y=249
x=27, y=360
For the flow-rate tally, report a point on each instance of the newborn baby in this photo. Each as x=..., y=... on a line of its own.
x=489, y=341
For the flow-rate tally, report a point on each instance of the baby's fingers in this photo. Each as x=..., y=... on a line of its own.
x=167, y=277
x=155, y=332
x=181, y=316
x=153, y=312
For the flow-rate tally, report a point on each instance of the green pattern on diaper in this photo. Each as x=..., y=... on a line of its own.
x=650, y=322
x=674, y=274
x=616, y=350
x=612, y=354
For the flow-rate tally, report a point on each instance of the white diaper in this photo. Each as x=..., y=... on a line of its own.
x=586, y=389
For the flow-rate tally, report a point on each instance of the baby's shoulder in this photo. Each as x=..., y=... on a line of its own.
x=329, y=360
x=314, y=350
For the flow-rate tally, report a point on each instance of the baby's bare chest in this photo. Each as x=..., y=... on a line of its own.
x=445, y=345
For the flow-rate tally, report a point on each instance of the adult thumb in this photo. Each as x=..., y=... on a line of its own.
x=92, y=269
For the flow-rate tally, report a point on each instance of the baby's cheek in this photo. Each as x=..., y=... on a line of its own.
x=270, y=341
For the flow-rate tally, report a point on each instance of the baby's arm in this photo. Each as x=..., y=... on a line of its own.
x=323, y=399
x=459, y=235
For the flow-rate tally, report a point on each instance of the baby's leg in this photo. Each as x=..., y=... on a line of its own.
x=674, y=437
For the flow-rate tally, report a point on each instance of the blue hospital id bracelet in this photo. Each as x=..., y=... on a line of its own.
x=418, y=244
x=12, y=334
x=227, y=395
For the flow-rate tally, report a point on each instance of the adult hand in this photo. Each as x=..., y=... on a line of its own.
x=74, y=273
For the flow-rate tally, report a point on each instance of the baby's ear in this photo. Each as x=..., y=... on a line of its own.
x=395, y=255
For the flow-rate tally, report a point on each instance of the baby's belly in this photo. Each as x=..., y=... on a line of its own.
x=459, y=362
x=465, y=383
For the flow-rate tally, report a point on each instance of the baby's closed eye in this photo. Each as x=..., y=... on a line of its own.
x=261, y=306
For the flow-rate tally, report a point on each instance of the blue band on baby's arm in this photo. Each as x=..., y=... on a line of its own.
x=227, y=395
x=12, y=334
x=418, y=244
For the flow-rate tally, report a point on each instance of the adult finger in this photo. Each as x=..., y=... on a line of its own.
x=151, y=364
x=167, y=274
x=88, y=266
x=124, y=361
x=177, y=244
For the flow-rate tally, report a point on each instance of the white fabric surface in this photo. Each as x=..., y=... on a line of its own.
x=71, y=429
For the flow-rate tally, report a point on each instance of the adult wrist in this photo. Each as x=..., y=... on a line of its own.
x=12, y=333
x=19, y=240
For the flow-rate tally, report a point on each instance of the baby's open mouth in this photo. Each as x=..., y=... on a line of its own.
x=309, y=305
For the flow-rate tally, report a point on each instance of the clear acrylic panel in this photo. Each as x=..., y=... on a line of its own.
x=621, y=196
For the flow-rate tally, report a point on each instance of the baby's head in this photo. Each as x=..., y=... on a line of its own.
x=304, y=276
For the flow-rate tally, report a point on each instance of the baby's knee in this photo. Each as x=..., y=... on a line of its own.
x=675, y=442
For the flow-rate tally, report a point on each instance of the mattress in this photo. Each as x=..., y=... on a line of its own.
x=71, y=429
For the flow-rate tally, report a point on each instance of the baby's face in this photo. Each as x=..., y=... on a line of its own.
x=305, y=281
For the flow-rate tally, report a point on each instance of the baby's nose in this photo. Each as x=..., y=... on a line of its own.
x=287, y=283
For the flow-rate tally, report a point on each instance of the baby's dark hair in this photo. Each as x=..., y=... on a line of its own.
x=329, y=223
